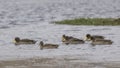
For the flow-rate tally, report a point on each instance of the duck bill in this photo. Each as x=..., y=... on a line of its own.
x=63, y=39
x=87, y=39
x=14, y=41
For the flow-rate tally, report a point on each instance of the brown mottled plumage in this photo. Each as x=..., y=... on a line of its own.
x=48, y=46
x=19, y=41
x=101, y=42
x=71, y=40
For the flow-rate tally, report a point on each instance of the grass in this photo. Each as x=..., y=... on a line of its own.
x=91, y=21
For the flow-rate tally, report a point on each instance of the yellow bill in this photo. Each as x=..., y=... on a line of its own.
x=87, y=39
x=14, y=41
x=63, y=39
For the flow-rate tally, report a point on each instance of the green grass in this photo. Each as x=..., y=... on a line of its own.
x=91, y=21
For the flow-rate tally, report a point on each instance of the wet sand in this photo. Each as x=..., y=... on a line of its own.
x=57, y=62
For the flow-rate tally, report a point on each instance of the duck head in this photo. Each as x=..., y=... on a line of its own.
x=17, y=39
x=88, y=37
x=41, y=45
x=63, y=38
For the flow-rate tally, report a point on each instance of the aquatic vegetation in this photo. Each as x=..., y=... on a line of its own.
x=91, y=21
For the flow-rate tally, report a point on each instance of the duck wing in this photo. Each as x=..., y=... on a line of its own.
x=28, y=40
x=99, y=37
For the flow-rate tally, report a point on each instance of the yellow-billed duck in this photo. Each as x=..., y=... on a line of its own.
x=71, y=40
x=48, y=46
x=19, y=41
x=97, y=37
x=101, y=42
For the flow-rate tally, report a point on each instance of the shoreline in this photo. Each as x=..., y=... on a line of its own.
x=58, y=62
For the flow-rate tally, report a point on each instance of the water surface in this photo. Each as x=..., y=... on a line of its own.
x=31, y=19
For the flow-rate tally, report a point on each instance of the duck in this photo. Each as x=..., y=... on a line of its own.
x=47, y=46
x=97, y=37
x=74, y=41
x=71, y=40
x=101, y=42
x=65, y=38
x=19, y=41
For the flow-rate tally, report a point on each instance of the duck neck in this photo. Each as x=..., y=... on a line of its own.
x=41, y=45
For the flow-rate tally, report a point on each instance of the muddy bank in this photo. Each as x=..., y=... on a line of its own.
x=58, y=62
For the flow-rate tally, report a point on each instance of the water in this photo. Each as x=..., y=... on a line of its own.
x=31, y=19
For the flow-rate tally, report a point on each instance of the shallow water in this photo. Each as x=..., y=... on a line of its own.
x=32, y=19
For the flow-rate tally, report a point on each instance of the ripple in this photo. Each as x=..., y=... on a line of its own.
x=100, y=29
x=72, y=30
x=4, y=27
x=32, y=14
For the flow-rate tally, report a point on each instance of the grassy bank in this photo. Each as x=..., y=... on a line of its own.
x=91, y=21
